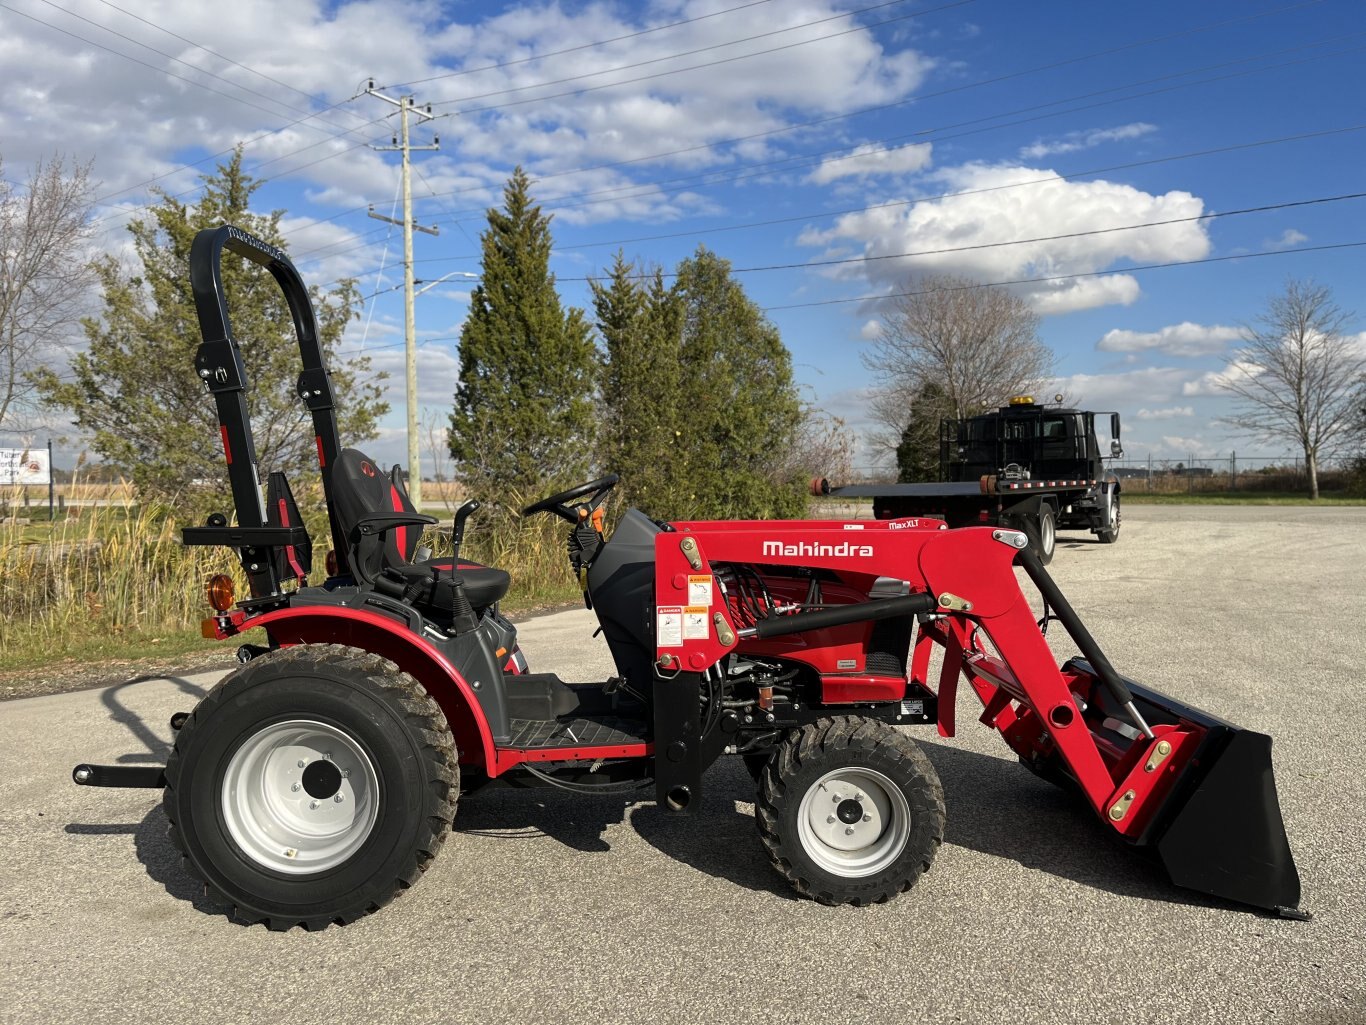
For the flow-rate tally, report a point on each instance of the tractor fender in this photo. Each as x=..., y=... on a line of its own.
x=369, y=631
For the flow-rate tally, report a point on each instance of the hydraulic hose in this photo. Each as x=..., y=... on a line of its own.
x=855, y=612
x=1086, y=644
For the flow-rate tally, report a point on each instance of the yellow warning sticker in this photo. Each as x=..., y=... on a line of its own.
x=695, y=626
x=699, y=590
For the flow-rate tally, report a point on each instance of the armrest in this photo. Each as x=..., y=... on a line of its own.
x=378, y=523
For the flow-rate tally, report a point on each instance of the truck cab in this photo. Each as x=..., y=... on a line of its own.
x=1024, y=440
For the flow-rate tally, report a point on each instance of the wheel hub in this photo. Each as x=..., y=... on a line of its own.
x=854, y=822
x=300, y=796
x=849, y=812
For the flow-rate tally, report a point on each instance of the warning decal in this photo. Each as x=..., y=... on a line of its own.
x=669, y=627
x=699, y=590
x=695, y=626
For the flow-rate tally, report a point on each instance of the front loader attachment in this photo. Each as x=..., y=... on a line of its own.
x=1160, y=774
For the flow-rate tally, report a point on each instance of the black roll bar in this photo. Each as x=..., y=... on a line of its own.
x=218, y=362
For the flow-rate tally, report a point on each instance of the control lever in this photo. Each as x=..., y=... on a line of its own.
x=458, y=533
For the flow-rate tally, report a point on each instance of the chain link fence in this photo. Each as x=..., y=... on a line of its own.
x=1196, y=474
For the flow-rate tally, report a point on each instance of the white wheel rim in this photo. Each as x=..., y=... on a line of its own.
x=854, y=822
x=1049, y=534
x=300, y=797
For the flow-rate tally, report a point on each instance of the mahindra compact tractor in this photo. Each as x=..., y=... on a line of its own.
x=321, y=776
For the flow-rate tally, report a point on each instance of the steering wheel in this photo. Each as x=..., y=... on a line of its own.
x=559, y=504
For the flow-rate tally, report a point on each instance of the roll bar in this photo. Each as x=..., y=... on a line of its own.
x=218, y=362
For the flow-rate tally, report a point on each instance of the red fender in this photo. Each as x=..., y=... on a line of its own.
x=411, y=653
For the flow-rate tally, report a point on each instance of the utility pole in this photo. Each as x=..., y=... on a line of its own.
x=405, y=107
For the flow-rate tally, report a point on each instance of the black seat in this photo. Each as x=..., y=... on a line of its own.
x=383, y=528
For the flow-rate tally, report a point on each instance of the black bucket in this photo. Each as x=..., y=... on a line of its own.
x=1220, y=830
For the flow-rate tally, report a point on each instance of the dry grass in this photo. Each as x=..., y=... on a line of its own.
x=115, y=582
x=116, y=574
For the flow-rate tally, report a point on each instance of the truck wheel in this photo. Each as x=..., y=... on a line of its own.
x=850, y=811
x=1047, y=534
x=1110, y=534
x=311, y=786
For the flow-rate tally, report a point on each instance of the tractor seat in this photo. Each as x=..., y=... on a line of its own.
x=359, y=489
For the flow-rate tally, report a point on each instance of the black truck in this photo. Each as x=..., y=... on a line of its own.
x=1031, y=467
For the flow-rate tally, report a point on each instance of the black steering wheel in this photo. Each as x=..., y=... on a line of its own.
x=559, y=504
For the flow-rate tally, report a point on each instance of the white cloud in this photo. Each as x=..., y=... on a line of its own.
x=1165, y=414
x=1287, y=240
x=871, y=329
x=1118, y=390
x=1184, y=339
x=1216, y=382
x=987, y=209
x=1088, y=139
x=874, y=159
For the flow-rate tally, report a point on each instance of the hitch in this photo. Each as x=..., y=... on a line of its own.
x=151, y=777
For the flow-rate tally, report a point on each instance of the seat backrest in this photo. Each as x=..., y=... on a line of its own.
x=359, y=487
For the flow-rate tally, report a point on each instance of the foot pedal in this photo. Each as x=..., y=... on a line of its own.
x=612, y=685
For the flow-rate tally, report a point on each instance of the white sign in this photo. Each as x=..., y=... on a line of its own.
x=24, y=466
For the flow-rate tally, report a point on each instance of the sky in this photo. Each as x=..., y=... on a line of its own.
x=812, y=143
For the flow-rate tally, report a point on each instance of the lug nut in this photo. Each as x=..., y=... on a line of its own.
x=339, y=798
x=313, y=805
x=302, y=763
x=295, y=788
x=830, y=818
x=848, y=830
x=867, y=818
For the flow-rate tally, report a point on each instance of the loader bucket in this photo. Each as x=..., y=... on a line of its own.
x=1219, y=830
x=1227, y=839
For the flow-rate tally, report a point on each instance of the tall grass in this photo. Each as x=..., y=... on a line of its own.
x=113, y=572
x=118, y=575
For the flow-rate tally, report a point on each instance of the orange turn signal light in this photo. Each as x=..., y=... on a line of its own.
x=221, y=592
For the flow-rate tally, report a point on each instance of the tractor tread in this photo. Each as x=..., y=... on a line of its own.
x=820, y=740
x=421, y=714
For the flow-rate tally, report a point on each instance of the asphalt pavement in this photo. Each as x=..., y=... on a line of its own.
x=545, y=907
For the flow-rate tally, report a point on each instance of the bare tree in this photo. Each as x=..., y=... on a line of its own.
x=1299, y=375
x=979, y=344
x=44, y=226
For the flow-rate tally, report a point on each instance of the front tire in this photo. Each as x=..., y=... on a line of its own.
x=850, y=811
x=311, y=786
x=1110, y=534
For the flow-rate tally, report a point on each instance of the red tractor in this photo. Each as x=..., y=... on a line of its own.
x=320, y=778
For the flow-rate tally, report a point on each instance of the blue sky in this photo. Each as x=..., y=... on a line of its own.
x=866, y=129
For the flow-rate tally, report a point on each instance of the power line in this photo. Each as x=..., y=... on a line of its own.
x=135, y=60
x=706, y=64
x=1266, y=208
x=807, y=160
x=171, y=57
x=1069, y=277
x=1232, y=148
x=872, y=109
x=700, y=49
x=214, y=53
x=581, y=46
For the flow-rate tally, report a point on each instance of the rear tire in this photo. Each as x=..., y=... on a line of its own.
x=850, y=811
x=1110, y=534
x=311, y=786
x=1047, y=534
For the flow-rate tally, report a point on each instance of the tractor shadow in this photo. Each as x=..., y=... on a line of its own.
x=995, y=807
x=998, y=808
x=719, y=839
x=157, y=749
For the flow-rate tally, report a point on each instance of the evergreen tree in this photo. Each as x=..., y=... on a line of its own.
x=917, y=456
x=640, y=329
x=523, y=422
x=737, y=402
x=134, y=390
